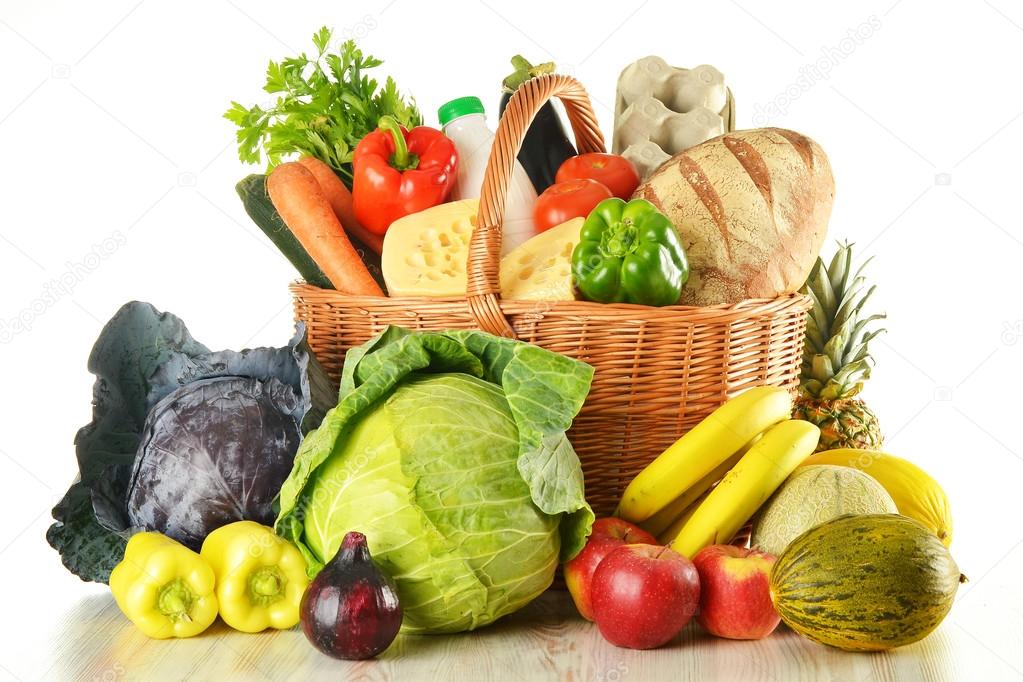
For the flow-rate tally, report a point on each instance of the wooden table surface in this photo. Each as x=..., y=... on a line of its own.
x=545, y=641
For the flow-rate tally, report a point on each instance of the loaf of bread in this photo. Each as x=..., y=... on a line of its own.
x=752, y=208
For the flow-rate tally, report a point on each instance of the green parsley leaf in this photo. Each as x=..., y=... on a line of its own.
x=323, y=107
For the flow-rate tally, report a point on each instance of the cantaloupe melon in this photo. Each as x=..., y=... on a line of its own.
x=814, y=495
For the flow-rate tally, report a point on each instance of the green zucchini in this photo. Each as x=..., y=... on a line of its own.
x=865, y=583
x=256, y=201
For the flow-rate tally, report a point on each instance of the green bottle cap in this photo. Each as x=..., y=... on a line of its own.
x=463, y=106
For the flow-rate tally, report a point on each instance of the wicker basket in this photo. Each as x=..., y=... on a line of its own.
x=658, y=370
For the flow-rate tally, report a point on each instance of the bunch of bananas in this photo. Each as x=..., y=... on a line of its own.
x=748, y=447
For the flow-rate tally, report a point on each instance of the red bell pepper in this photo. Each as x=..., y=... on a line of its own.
x=398, y=172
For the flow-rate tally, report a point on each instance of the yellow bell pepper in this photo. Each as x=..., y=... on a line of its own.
x=261, y=577
x=164, y=588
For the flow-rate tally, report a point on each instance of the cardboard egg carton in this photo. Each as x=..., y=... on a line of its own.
x=661, y=110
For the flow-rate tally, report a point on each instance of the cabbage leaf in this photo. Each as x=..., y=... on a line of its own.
x=448, y=450
x=141, y=357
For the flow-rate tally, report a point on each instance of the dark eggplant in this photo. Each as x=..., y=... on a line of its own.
x=351, y=609
x=546, y=145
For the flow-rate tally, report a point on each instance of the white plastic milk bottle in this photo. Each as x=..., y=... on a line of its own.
x=464, y=122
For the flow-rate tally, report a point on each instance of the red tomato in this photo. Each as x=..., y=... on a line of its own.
x=614, y=172
x=566, y=200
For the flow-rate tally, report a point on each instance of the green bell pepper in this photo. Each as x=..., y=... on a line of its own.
x=629, y=253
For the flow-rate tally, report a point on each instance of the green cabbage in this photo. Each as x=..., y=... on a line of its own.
x=448, y=451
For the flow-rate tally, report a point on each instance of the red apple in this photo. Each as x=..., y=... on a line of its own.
x=736, y=598
x=608, y=534
x=643, y=595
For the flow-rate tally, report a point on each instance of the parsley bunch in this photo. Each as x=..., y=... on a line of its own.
x=324, y=107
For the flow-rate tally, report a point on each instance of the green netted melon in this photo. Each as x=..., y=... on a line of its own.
x=813, y=495
x=865, y=583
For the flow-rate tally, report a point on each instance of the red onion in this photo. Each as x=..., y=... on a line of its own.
x=351, y=608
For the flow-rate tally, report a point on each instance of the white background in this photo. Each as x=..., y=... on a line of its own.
x=111, y=129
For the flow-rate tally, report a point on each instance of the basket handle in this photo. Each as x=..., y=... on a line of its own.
x=483, y=287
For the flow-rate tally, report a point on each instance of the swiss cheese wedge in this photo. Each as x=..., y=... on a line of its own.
x=541, y=268
x=425, y=254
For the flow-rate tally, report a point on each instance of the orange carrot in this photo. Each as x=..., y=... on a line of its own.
x=341, y=201
x=297, y=196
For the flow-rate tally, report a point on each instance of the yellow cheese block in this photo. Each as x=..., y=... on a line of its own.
x=541, y=268
x=425, y=253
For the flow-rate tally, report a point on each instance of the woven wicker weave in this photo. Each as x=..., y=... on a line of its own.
x=658, y=370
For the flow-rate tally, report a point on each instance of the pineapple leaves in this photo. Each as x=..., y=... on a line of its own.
x=850, y=304
x=863, y=266
x=814, y=337
x=859, y=333
x=838, y=272
x=824, y=292
x=836, y=357
x=819, y=318
x=861, y=351
x=834, y=349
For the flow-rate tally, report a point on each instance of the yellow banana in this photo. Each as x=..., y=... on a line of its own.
x=668, y=535
x=659, y=522
x=696, y=454
x=746, y=487
x=915, y=493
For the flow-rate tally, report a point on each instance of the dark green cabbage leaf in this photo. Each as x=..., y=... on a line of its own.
x=143, y=358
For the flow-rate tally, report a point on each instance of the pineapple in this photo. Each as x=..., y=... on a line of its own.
x=836, y=362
